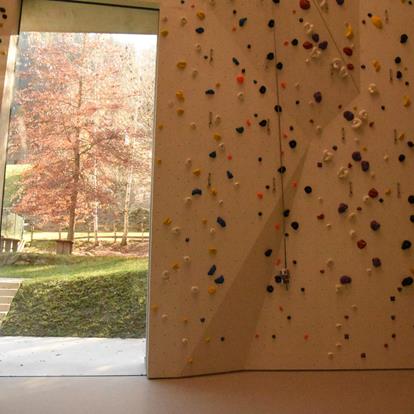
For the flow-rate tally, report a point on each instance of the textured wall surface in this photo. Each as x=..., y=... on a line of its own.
x=335, y=115
x=283, y=140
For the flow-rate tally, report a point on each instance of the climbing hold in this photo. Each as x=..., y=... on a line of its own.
x=345, y=280
x=377, y=21
x=219, y=280
x=408, y=281
x=221, y=222
x=304, y=4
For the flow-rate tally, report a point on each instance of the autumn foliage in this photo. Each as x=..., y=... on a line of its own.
x=82, y=122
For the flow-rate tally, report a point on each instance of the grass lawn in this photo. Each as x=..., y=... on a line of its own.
x=78, y=296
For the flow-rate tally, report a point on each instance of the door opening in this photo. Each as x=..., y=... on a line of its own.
x=76, y=206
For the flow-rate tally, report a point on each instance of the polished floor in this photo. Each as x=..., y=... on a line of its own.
x=245, y=393
x=30, y=356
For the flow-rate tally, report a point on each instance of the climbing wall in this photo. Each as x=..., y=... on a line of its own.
x=283, y=141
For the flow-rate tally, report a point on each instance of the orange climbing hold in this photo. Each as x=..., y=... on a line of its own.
x=240, y=79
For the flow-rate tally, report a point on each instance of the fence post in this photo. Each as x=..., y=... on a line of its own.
x=115, y=234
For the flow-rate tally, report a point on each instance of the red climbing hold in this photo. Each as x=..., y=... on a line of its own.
x=348, y=51
x=240, y=79
x=304, y=4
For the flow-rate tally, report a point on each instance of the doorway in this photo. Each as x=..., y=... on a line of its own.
x=77, y=190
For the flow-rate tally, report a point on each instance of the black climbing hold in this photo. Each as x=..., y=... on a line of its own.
x=213, y=154
x=342, y=208
x=197, y=191
x=270, y=56
x=270, y=288
x=365, y=166
x=356, y=156
x=323, y=45
x=411, y=199
x=236, y=62
x=271, y=23
x=282, y=170
x=406, y=244
x=263, y=123
x=268, y=252
x=408, y=281
x=200, y=30
x=219, y=280
x=230, y=175
x=404, y=38
x=318, y=97
x=240, y=130
x=278, y=108
x=375, y=225
x=212, y=270
x=221, y=222
x=293, y=144
x=308, y=189
x=278, y=279
x=349, y=116
x=210, y=92
x=242, y=21
x=263, y=89
x=345, y=280
x=295, y=225
x=376, y=262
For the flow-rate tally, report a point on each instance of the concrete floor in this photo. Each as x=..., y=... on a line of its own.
x=29, y=356
x=244, y=393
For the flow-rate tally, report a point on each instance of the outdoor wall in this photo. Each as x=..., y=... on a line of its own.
x=283, y=139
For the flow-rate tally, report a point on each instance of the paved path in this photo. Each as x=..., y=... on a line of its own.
x=29, y=356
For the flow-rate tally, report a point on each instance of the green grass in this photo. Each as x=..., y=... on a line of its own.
x=78, y=296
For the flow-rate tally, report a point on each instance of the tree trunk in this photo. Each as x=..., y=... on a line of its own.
x=95, y=207
x=76, y=170
x=74, y=194
x=127, y=202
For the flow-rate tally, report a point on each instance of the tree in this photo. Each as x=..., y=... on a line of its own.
x=80, y=96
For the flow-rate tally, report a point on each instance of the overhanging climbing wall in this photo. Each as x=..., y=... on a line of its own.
x=314, y=95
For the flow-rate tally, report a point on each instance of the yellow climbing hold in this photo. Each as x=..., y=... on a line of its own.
x=377, y=21
x=176, y=266
x=167, y=221
x=204, y=221
x=154, y=308
x=407, y=101
x=201, y=15
x=180, y=95
x=182, y=64
x=349, y=31
x=164, y=33
x=377, y=65
x=217, y=137
x=197, y=172
x=212, y=290
x=213, y=192
x=212, y=250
